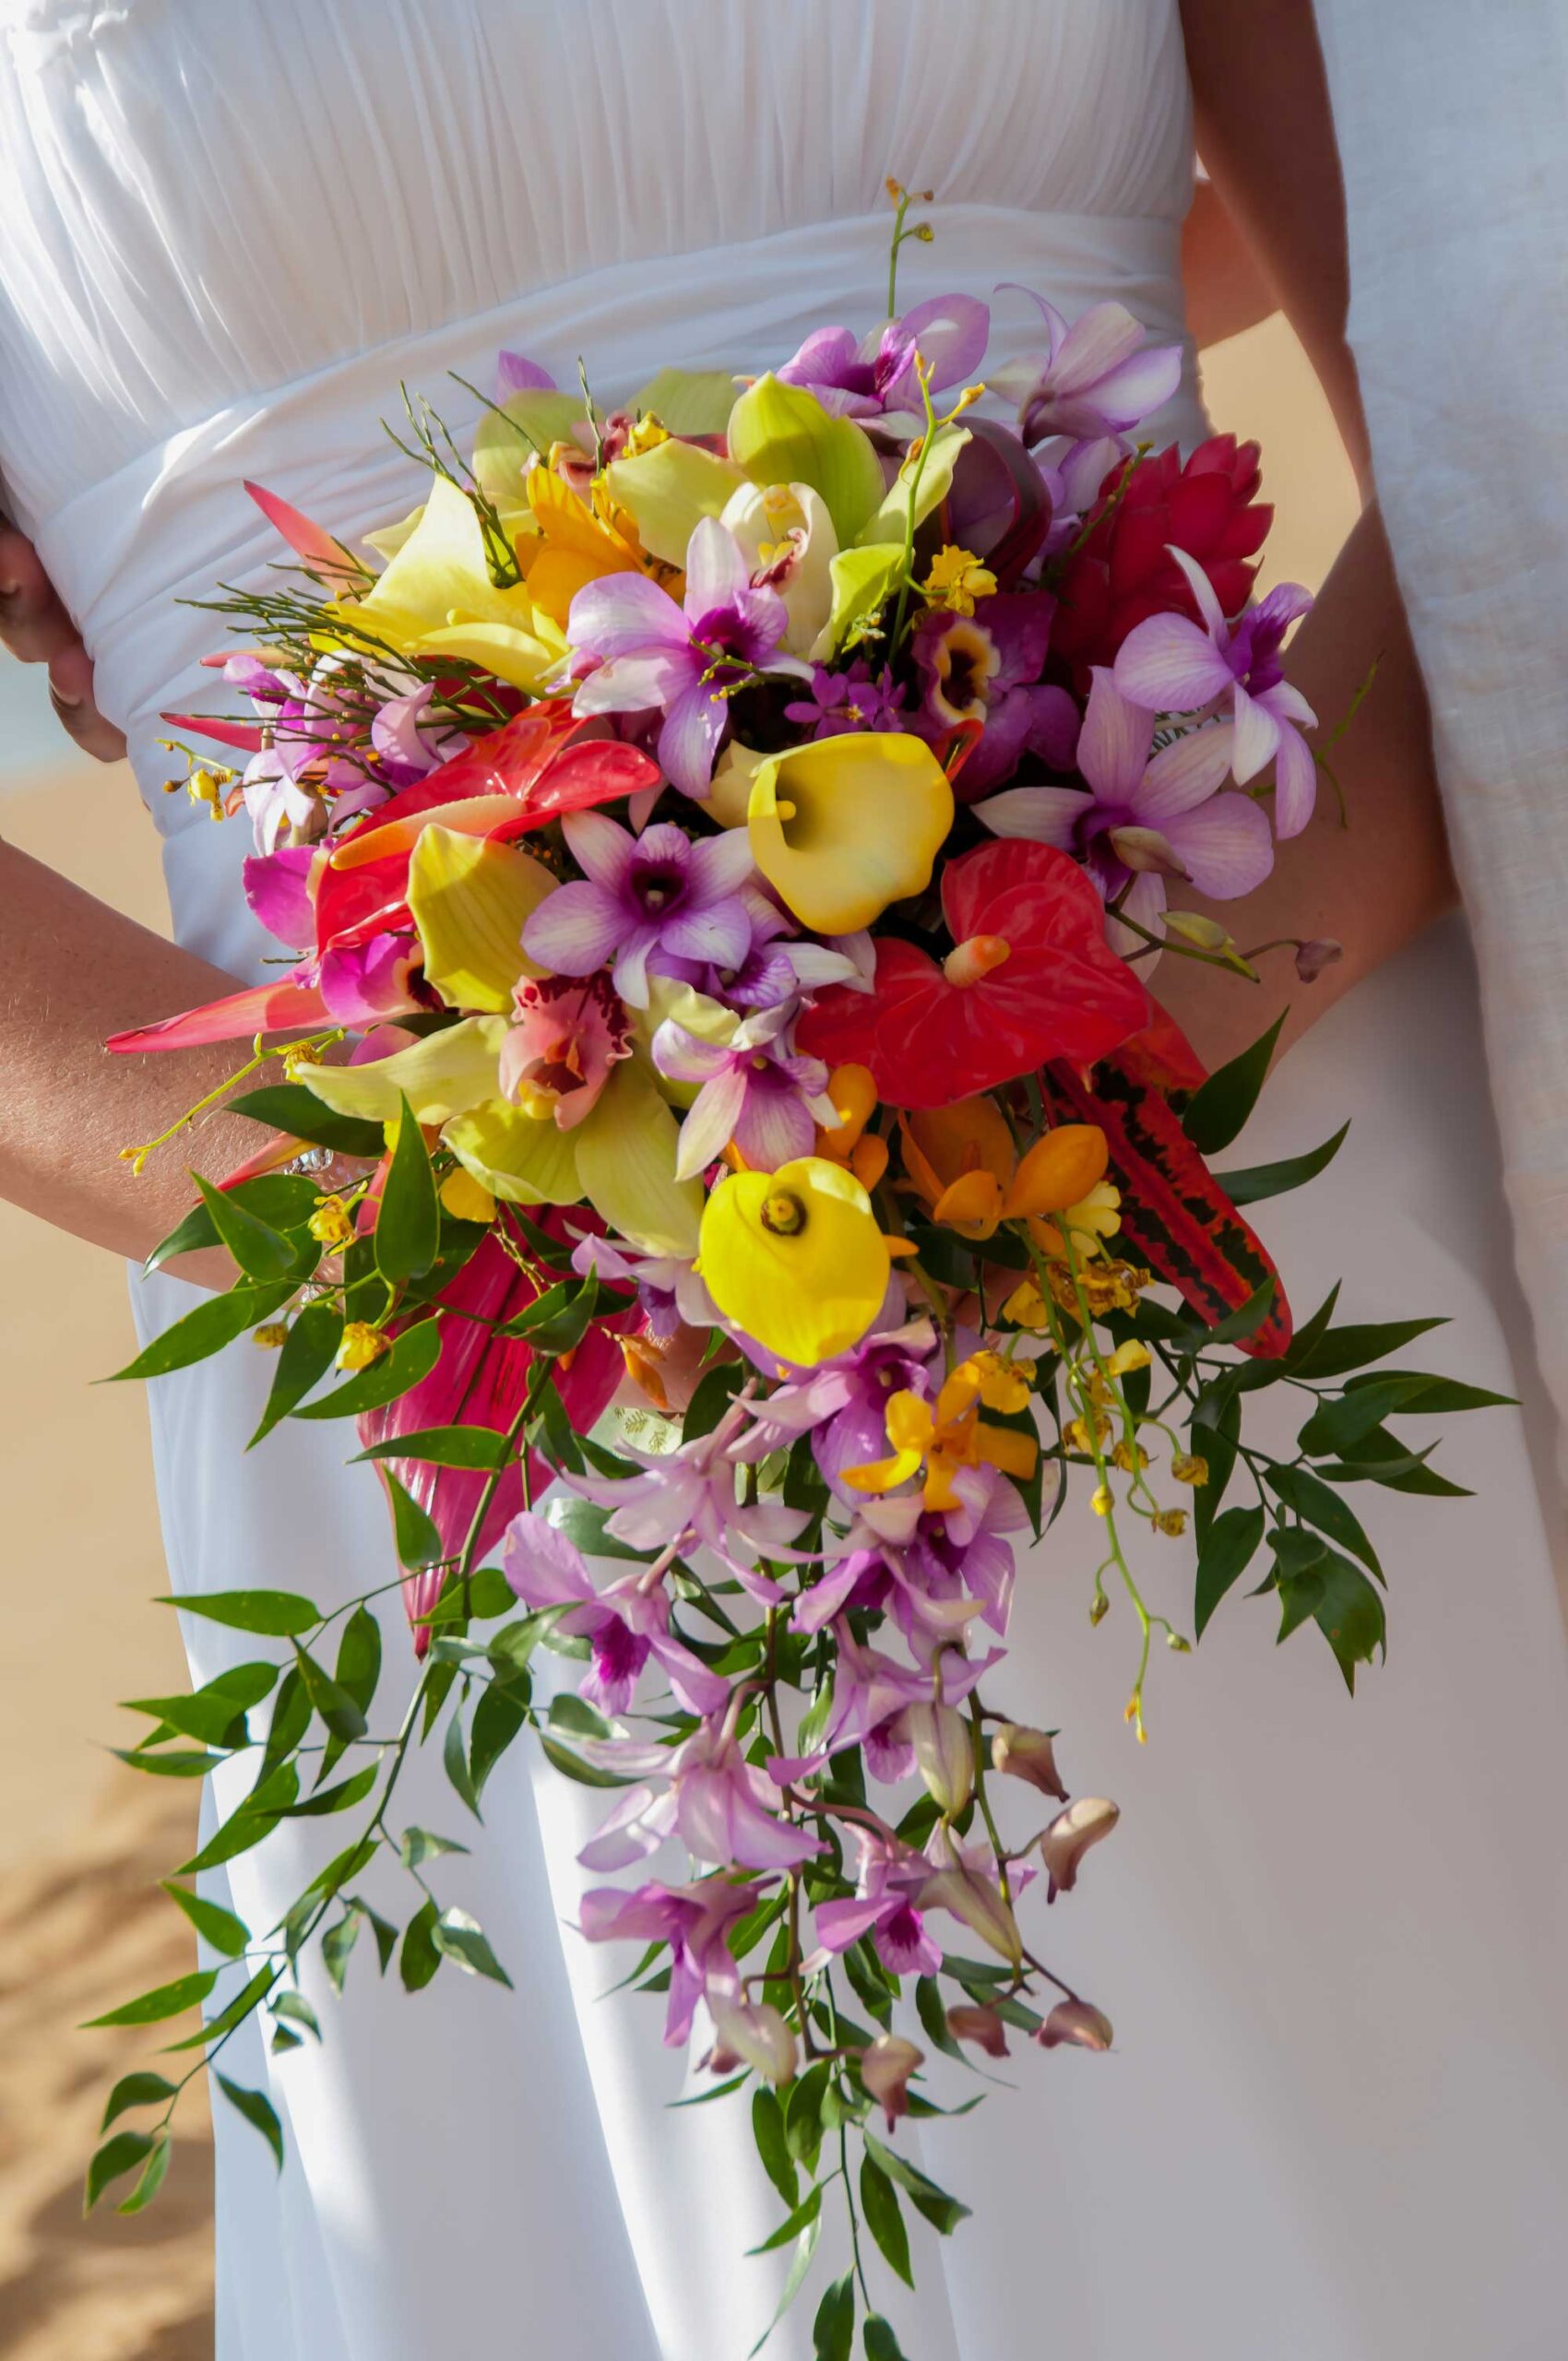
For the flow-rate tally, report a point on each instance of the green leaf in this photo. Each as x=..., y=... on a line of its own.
x=261, y=1252
x=167, y=1765
x=1245, y=1321
x=359, y=1657
x=711, y=1397
x=933, y=2016
x=1349, y=1348
x=1325, y=1508
x=305, y=1359
x=214, y=1323
x=480, y=1447
x=499, y=1716
x=116, y=2157
x=151, y=2177
x=833, y=2331
x=793, y=2283
x=282, y=1200
x=455, y=1758
x=422, y=1845
x=803, y=2114
x=881, y=2345
x=291, y=1719
x=879, y=2200
x=337, y=1943
x=1440, y=1397
x=1227, y=1552
x=343, y=1797
x=1261, y=1180
x=410, y=1358
x=278, y=1613
x=1350, y=1614
x=572, y=1766
x=767, y=2131
x=340, y=1713
x=163, y=2001
x=135, y=2090
x=419, y=1959
x=295, y=2006
x=557, y=1321
x=418, y=1542
x=258, y=2109
x=234, y=2013
x=239, y=1832
x=583, y=1522
x=459, y=1936
x=1216, y=1113
x=944, y=2212
x=289, y=1107
x=1338, y=1427
x=799, y=2217
x=407, y=1222
x=215, y=1926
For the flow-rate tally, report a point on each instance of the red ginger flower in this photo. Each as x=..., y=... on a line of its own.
x=1030, y=979
x=1124, y=571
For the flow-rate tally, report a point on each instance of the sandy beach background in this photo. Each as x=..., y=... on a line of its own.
x=82, y=1925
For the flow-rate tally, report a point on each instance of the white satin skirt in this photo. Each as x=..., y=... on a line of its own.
x=1331, y=1934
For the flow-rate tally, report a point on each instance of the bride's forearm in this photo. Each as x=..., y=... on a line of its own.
x=1371, y=882
x=75, y=971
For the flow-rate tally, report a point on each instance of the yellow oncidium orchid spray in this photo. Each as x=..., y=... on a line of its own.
x=948, y=1434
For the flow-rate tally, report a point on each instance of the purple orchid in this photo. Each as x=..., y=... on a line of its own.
x=968, y=1549
x=626, y=1624
x=870, y=1692
x=986, y=667
x=1142, y=815
x=754, y=1092
x=694, y=1920
x=869, y=377
x=662, y=891
x=1168, y=665
x=686, y=1500
x=891, y=1876
x=516, y=374
x=777, y=967
x=653, y=655
x=843, y=1405
x=299, y=784
x=1092, y=378
x=839, y=703
x=670, y=1294
x=724, y=1809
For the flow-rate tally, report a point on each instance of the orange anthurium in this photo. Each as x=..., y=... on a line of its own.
x=848, y=1142
x=945, y=1435
x=965, y=1169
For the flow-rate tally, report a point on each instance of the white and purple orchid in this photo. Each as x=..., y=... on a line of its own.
x=662, y=891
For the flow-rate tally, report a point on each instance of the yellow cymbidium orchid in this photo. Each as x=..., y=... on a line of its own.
x=944, y=1436
x=668, y=489
x=435, y=598
x=795, y=1258
x=967, y=1174
x=843, y=826
x=577, y=544
x=470, y=897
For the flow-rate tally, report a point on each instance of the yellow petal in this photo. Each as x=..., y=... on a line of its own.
x=781, y=434
x=669, y=491
x=730, y=793
x=466, y=1199
x=526, y=1159
x=935, y=475
x=795, y=1258
x=443, y=1074
x=971, y=1203
x=626, y=1159
x=526, y=655
x=470, y=898
x=1007, y=1449
x=843, y=826
x=854, y=1092
x=881, y=1475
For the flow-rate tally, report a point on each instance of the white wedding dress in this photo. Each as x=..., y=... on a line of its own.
x=1331, y=1936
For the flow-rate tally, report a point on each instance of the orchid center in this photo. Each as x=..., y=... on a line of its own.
x=965, y=662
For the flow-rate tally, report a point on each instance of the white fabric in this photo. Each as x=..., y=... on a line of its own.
x=1336, y=2127
x=1451, y=132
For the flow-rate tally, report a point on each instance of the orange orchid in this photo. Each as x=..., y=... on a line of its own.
x=969, y=1177
x=848, y=1142
x=948, y=1434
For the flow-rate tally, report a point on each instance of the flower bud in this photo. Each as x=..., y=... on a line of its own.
x=1190, y=1468
x=982, y=2026
x=886, y=2068
x=1145, y=851
x=943, y=1754
x=1077, y=2022
x=979, y=1904
x=1019, y=1752
x=1204, y=934
x=752, y=2033
x=1069, y=1837
x=1312, y=958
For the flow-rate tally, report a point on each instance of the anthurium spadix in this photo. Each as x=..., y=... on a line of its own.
x=842, y=826
x=436, y=598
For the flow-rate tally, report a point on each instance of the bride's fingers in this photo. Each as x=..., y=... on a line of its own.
x=70, y=694
x=35, y=626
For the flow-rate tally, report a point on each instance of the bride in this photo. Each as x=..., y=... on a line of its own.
x=1335, y=2128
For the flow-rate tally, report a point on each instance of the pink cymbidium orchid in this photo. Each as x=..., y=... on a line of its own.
x=625, y=1624
x=1167, y=664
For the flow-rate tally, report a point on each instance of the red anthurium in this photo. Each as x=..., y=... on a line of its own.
x=1031, y=978
x=1161, y=1054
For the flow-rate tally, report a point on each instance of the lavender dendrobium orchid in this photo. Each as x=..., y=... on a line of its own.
x=626, y=1624
x=1167, y=664
x=876, y=375
x=843, y=1405
x=724, y=1809
x=686, y=1499
x=694, y=1920
x=1141, y=813
x=662, y=891
x=890, y=1876
x=670, y=1294
x=1094, y=378
x=754, y=1092
x=653, y=655
x=779, y=965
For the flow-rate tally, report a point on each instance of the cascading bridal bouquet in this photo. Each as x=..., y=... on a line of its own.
x=725, y=846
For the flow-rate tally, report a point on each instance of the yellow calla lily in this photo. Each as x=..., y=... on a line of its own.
x=435, y=598
x=843, y=826
x=795, y=1258
x=470, y=897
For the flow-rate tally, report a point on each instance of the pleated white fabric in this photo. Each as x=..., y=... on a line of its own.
x=1335, y=2130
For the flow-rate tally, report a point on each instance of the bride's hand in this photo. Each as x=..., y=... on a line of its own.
x=35, y=627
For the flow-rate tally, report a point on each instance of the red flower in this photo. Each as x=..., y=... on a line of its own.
x=1123, y=572
x=1031, y=979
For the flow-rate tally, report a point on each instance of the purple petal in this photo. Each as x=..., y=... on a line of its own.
x=1053, y=725
x=1045, y=815
x=1257, y=737
x=774, y=1128
x=682, y=1057
x=1140, y=387
x=721, y=934
x=601, y=848
x=1184, y=774
x=1202, y=591
x=634, y=683
x=1169, y=666
x=626, y=614
x=689, y=740
x=1295, y=783
x=716, y=571
x=575, y=929
x=841, y=1923
x=277, y=892
x=1114, y=741
x=1225, y=846
x=1099, y=341
x=721, y=865
x=544, y=1566
x=950, y=333
x=710, y=1125
x=517, y=375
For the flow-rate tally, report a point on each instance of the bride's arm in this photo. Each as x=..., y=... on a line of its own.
x=1268, y=139
x=75, y=971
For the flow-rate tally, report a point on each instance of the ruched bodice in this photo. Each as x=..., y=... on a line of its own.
x=228, y=229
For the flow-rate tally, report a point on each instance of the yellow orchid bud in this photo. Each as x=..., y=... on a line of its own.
x=331, y=1224
x=795, y=1258
x=843, y=826
x=362, y=1345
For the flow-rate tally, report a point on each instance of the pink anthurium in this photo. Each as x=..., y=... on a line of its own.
x=1030, y=977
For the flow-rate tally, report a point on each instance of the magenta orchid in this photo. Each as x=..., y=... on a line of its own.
x=1093, y=378
x=626, y=1624
x=1169, y=665
x=694, y=1920
x=754, y=1092
x=890, y=1878
x=867, y=377
x=662, y=891
x=724, y=1809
